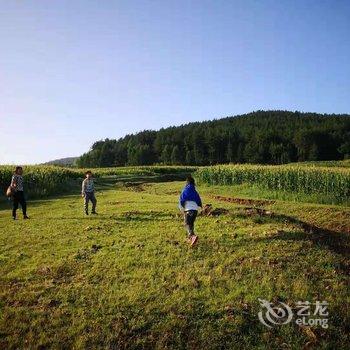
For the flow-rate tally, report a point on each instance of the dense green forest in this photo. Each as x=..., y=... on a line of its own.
x=267, y=137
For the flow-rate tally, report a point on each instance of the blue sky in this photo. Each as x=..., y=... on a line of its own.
x=73, y=72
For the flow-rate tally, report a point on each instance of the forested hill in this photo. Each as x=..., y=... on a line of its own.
x=67, y=162
x=271, y=137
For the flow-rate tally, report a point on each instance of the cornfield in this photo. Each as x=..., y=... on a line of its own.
x=332, y=181
x=41, y=180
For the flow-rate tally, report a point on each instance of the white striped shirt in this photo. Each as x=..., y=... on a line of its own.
x=17, y=182
x=88, y=186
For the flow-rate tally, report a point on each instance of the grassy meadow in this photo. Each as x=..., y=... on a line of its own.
x=127, y=279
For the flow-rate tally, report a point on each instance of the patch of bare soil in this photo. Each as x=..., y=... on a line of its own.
x=133, y=213
x=150, y=214
x=244, y=201
x=259, y=211
x=208, y=210
x=172, y=192
x=135, y=186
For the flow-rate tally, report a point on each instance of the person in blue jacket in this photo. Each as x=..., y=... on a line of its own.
x=189, y=204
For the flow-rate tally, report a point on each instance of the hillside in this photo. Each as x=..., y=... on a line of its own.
x=265, y=137
x=68, y=161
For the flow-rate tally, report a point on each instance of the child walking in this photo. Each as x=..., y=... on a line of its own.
x=88, y=193
x=189, y=203
x=18, y=193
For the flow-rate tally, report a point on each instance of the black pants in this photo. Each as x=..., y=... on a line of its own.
x=89, y=196
x=18, y=198
x=190, y=218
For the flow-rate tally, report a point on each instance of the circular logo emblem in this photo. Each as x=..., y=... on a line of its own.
x=274, y=314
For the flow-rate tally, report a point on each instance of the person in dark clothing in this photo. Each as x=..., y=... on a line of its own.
x=189, y=203
x=18, y=193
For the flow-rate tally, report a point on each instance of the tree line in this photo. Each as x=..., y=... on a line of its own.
x=266, y=137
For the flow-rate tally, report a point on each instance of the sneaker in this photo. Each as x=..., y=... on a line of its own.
x=14, y=218
x=25, y=217
x=93, y=213
x=194, y=240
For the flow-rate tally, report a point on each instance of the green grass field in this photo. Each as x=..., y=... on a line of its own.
x=127, y=279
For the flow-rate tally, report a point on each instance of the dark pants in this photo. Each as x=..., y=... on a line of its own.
x=18, y=198
x=190, y=218
x=89, y=196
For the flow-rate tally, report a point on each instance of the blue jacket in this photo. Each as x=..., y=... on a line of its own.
x=189, y=193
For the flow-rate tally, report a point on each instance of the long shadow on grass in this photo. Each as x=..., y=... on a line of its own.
x=335, y=241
